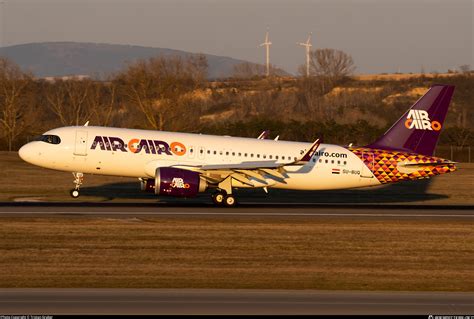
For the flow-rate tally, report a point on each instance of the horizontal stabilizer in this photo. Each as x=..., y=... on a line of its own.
x=426, y=164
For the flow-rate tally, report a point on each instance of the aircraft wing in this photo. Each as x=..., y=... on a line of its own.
x=245, y=172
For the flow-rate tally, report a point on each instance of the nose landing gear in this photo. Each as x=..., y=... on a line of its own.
x=78, y=178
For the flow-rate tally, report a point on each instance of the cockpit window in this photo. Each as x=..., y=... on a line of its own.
x=51, y=139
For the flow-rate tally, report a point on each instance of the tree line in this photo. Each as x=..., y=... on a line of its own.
x=173, y=93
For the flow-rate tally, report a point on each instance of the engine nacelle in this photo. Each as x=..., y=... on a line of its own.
x=178, y=182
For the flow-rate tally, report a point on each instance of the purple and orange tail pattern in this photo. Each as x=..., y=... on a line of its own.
x=418, y=130
x=385, y=164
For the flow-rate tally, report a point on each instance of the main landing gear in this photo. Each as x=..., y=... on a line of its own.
x=223, y=196
x=78, y=178
x=224, y=199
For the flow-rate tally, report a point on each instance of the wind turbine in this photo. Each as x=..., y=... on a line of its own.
x=308, y=46
x=267, y=44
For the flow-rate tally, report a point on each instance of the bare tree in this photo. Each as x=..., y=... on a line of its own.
x=155, y=85
x=465, y=68
x=327, y=66
x=331, y=63
x=101, y=102
x=67, y=100
x=14, y=107
x=247, y=70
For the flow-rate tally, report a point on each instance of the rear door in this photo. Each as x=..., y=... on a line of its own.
x=80, y=147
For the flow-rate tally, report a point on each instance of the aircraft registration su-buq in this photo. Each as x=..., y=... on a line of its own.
x=183, y=165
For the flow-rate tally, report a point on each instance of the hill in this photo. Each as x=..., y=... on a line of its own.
x=96, y=59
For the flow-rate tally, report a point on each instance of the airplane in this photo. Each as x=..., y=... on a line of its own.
x=184, y=164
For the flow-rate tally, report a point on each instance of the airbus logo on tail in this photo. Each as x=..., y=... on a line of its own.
x=420, y=120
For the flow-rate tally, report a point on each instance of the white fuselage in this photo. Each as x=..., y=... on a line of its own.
x=98, y=150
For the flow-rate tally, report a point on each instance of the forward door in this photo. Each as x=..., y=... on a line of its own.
x=80, y=147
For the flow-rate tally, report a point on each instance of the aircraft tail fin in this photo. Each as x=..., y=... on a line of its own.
x=419, y=128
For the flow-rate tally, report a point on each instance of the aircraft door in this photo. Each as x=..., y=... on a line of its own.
x=367, y=165
x=80, y=147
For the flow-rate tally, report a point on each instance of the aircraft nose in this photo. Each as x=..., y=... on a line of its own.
x=25, y=152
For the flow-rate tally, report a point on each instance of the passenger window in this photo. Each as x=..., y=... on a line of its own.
x=264, y=156
x=283, y=157
x=245, y=154
x=270, y=157
x=251, y=155
x=226, y=153
x=338, y=162
x=233, y=153
x=276, y=157
x=314, y=160
x=320, y=160
x=240, y=154
x=258, y=155
x=208, y=152
x=345, y=162
x=215, y=152
x=326, y=161
x=332, y=162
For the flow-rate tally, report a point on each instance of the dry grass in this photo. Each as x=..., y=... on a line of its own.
x=282, y=253
x=23, y=180
x=400, y=76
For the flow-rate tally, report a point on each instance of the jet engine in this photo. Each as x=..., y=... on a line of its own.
x=175, y=182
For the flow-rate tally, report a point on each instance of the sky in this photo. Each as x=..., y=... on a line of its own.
x=380, y=35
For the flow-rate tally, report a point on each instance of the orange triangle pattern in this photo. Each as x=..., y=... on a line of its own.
x=383, y=164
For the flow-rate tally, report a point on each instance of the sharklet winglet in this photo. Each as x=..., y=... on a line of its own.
x=309, y=153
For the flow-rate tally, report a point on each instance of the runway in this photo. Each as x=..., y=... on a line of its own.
x=213, y=301
x=248, y=210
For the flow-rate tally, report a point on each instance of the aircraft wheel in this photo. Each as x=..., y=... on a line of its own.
x=74, y=193
x=229, y=201
x=218, y=198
